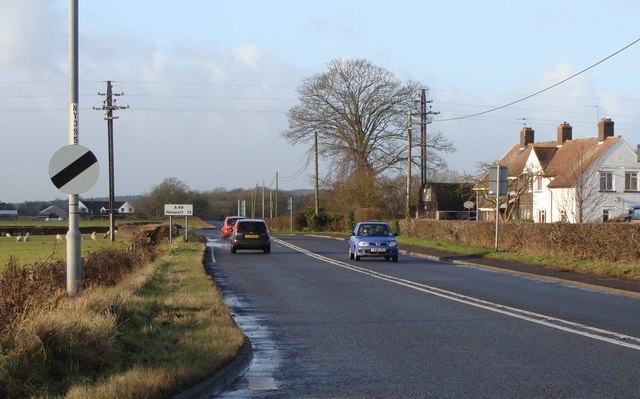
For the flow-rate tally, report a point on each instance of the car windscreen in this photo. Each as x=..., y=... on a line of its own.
x=375, y=230
x=252, y=227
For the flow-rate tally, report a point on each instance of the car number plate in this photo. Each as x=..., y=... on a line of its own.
x=378, y=250
x=252, y=236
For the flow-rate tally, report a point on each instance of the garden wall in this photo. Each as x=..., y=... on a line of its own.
x=608, y=242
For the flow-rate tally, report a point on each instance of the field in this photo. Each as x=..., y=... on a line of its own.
x=43, y=247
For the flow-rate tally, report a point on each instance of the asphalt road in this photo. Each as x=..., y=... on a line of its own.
x=323, y=326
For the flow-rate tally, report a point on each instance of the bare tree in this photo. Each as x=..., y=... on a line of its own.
x=518, y=190
x=359, y=112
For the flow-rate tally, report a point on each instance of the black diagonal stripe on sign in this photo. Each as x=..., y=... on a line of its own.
x=74, y=169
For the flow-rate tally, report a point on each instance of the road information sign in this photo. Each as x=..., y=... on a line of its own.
x=178, y=209
x=73, y=169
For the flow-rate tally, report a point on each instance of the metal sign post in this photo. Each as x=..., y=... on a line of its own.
x=498, y=186
x=291, y=213
x=185, y=210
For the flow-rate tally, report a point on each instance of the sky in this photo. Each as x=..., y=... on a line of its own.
x=208, y=82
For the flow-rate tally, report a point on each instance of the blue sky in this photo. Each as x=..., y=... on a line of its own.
x=209, y=82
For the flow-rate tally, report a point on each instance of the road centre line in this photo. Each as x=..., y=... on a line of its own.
x=548, y=321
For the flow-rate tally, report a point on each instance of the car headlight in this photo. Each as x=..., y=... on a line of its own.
x=363, y=244
x=393, y=244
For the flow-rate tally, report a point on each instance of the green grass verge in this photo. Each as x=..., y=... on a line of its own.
x=615, y=270
x=159, y=332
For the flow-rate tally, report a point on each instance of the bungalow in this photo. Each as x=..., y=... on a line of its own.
x=101, y=208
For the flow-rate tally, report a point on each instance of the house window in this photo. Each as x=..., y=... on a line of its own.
x=539, y=184
x=542, y=216
x=606, y=181
x=631, y=181
x=605, y=215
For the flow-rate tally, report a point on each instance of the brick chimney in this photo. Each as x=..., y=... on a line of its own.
x=605, y=129
x=526, y=136
x=564, y=132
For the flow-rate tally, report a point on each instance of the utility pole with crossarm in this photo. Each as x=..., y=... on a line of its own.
x=110, y=106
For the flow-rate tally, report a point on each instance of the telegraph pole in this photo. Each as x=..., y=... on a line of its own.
x=407, y=210
x=276, y=195
x=424, y=120
x=109, y=106
x=317, y=190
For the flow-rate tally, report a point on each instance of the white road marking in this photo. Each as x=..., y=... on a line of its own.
x=548, y=321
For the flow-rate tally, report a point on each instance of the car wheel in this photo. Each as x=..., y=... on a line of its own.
x=267, y=250
x=357, y=258
x=395, y=258
x=350, y=254
x=386, y=258
x=233, y=250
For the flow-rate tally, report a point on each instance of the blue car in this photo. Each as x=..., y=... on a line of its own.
x=373, y=239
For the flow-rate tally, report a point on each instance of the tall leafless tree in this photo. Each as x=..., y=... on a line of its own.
x=359, y=111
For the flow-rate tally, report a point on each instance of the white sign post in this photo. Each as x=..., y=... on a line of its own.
x=185, y=210
x=73, y=169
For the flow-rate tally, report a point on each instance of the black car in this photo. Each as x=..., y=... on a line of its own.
x=250, y=234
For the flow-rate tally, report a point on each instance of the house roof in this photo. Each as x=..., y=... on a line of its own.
x=516, y=158
x=563, y=163
x=51, y=209
x=575, y=158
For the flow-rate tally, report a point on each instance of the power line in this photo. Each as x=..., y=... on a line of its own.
x=545, y=89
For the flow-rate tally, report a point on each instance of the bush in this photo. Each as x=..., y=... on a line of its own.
x=367, y=214
x=27, y=288
x=317, y=222
x=350, y=220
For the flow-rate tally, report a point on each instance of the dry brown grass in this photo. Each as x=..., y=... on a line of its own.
x=160, y=330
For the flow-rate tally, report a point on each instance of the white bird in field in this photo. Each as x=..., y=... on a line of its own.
x=59, y=238
x=93, y=235
x=26, y=237
x=18, y=238
x=8, y=235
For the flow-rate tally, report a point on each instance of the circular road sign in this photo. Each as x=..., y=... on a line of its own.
x=73, y=169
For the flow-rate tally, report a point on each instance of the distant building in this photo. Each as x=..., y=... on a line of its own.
x=8, y=214
x=445, y=201
x=101, y=208
x=52, y=212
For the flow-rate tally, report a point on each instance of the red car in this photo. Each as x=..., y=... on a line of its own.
x=228, y=224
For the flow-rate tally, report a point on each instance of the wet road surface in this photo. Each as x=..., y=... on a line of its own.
x=419, y=329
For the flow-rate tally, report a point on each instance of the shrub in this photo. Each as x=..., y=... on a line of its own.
x=367, y=214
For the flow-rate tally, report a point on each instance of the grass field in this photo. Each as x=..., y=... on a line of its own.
x=40, y=248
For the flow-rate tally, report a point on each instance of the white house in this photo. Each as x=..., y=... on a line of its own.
x=582, y=180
